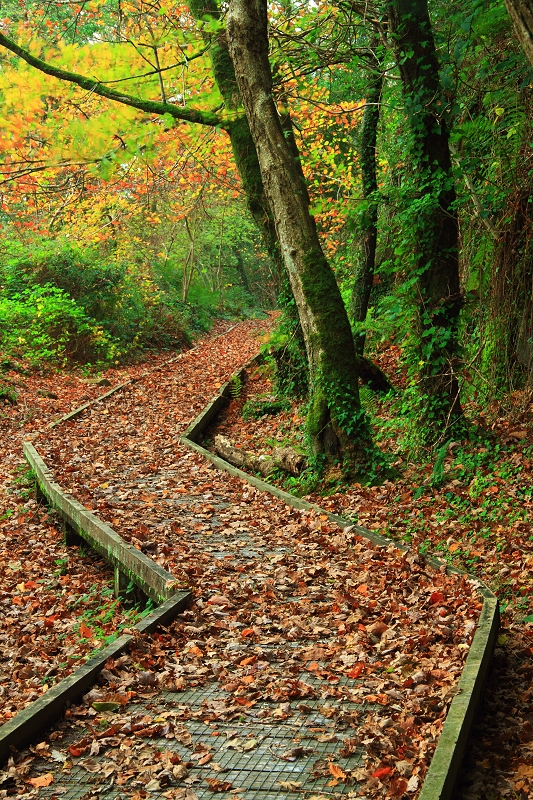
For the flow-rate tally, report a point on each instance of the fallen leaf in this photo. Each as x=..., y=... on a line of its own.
x=42, y=780
x=250, y=744
x=85, y=631
x=218, y=786
x=356, y=671
x=380, y=773
x=291, y=786
x=105, y=705
x=336, y=771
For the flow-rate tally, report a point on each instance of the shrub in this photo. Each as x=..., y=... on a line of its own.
x=43, y=323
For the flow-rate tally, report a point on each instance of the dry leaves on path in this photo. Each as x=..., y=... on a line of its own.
x=291, y=616
x=480, y=519
x=56, y=604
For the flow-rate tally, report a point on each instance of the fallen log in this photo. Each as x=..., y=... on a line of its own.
x=284, y=458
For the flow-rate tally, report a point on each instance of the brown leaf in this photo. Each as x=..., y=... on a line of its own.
x=42, y=780
x=217, y=785
x=336, y=771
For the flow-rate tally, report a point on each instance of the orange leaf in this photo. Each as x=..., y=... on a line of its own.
x=43, y=780
x=247, y=661
x=336, y=771
x=356, y=671
x=77, y=751
x=17, y=601
x=454, y=547
x=363, y=589
x=380, y=773
x=30, y=585
x=247, y=632
x=247, y=679
x=436, y=597
x=85, y=631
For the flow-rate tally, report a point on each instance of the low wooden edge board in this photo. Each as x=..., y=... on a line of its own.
x=23, y=728
x=80, y=409
x=152, y=579
x=446, y=762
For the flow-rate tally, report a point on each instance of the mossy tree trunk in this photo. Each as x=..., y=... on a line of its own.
x=335, y=423
x=241, y=139
x=436, y=255
x=364, y=273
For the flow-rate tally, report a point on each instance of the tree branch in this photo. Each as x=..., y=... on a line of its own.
x=183, y=113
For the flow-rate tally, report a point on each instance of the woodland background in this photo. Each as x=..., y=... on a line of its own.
x=134, y=213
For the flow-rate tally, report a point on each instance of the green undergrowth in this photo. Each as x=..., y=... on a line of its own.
x=61, y=305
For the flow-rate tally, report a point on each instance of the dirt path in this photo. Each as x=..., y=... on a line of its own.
x=309, y=661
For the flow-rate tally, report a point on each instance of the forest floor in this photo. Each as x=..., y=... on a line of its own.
x=258, y=569
x=473, y=510
x=68, y=591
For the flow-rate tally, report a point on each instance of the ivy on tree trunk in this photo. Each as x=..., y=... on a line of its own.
x=241, y=139
x=364, y=273
x=435, y=265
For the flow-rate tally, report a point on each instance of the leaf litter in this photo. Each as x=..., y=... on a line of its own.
x=477, y=515
x=56, y=602
x=296, y=626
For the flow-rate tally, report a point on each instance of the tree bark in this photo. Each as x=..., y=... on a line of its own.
x=367, y=153
x=521, y=13
x=241, y=139
x=436, y=256
x=335, y=422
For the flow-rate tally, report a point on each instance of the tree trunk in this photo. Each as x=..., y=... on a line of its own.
x=241, y=271
x=336, y=422
x=239, y=132
x=521, y=13
x=369, y=236
x=436, y=256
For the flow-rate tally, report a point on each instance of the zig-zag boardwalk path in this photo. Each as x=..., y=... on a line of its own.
x=309, y=661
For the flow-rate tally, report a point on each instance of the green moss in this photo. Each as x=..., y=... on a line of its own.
x=335, y=408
